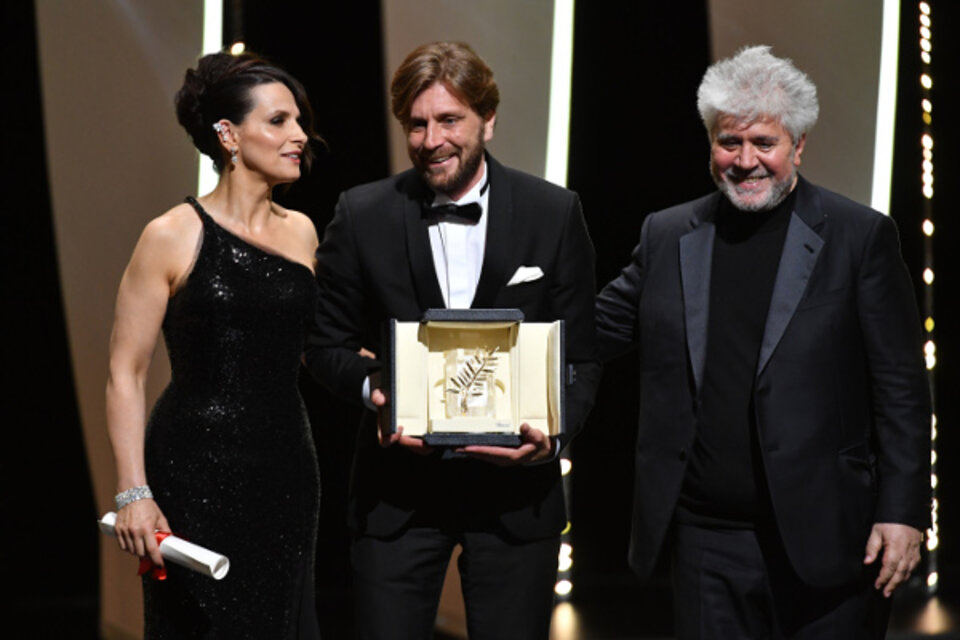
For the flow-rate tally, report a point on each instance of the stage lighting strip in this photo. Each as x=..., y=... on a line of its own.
x=212, y=42
x=886, y=107
x=929, y=347
x=565, y=562
x=561, y=71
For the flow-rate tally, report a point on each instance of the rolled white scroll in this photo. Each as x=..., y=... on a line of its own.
x=179, y=551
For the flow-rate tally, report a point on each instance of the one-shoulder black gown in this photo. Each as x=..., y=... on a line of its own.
x=229, y=454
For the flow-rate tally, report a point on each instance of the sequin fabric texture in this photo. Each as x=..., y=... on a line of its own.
x=229, y=454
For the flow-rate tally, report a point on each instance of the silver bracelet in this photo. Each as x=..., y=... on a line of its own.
x=132, y=494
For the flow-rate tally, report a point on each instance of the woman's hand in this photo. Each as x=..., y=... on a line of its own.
x=136, y=527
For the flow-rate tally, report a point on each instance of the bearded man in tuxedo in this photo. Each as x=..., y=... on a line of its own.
x=458, y=230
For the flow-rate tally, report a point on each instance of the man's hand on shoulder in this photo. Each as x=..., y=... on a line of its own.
x=416, y=445
x=900, y=544
x=536, y=447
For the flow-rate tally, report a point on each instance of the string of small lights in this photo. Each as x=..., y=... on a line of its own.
x=929, y=347
x=565, y=563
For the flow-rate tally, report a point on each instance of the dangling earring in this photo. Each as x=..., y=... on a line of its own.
x=233, y=155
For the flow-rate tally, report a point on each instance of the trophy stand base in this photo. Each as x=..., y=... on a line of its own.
x=466, y=439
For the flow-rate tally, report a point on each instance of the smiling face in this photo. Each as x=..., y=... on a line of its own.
x=270, y=140
x=754, y=163
x=446, y=139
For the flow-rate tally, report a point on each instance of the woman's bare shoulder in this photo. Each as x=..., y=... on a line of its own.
x=301, y=225
x=173, y=226
x=170, y=238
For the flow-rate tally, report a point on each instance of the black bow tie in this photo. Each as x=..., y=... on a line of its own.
x=461, y=213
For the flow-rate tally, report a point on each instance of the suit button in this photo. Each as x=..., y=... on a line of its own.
x=682, y=455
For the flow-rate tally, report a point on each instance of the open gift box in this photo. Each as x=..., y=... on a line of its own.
x=473, y=376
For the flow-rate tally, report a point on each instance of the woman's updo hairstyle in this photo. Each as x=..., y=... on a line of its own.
x=219, y=88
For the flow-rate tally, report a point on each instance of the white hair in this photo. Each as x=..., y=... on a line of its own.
x=755, y=84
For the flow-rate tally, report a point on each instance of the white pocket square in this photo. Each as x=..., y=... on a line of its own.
x=525, y=274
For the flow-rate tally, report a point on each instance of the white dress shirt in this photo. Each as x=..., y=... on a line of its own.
x=457, y=254
x=458, y=248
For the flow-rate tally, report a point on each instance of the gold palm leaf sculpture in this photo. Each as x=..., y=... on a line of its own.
x=468, y=383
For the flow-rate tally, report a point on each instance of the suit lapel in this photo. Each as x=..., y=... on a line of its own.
x=496, y=251
x=423, y=272
x=696, y=256
x=801, y=248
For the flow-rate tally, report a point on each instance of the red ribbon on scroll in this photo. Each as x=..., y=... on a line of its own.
x=146, y=564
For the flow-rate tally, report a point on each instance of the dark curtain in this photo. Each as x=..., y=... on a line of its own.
x=48, y=534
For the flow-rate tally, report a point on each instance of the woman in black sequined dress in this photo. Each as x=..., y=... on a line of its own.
x=227, y=453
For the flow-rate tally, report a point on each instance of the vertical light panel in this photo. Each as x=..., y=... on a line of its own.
x=555, y=171
x=212, y=42
x=561, y=65
x=886, y=108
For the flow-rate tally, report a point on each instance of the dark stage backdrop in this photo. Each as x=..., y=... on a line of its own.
x=48, y=538
x=636, y=146
x=628, y=156
x=335, y=49
x=947, y=263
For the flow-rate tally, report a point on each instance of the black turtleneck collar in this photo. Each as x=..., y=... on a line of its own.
x=734, y=225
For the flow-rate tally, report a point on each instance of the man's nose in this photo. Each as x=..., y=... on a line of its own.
x=431, y=137
x=747, y=158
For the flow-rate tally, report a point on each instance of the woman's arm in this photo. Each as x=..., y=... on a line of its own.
x=162, y=256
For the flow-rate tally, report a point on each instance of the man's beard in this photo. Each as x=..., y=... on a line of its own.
x=778, y=191
x=466, y=170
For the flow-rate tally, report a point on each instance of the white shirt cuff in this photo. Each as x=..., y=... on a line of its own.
x=365, y=395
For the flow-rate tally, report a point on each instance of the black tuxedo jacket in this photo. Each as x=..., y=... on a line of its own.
x=375, y=263
x=840, y=396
